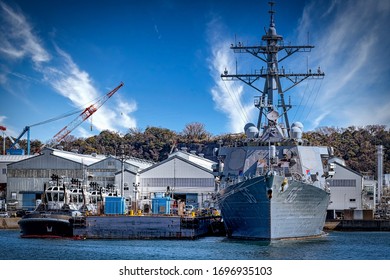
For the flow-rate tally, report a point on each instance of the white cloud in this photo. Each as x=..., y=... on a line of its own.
x=351, y=49
x=76, y=85
x=70, y=81
x=2, y=119
x=10, y=131
x=227, y=95
x=84, y=133
x=17, y=39
x=125, y=110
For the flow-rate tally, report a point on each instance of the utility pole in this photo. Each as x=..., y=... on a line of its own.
x=380, y=172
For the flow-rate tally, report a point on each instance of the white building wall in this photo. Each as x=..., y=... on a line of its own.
x=201, y=161
x=27, y=177
x=175, y=168
x=3, y=172
x=129, y=179
x=345, y=189
x=184, y=177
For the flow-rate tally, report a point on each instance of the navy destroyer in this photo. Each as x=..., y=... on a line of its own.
x=272, y=184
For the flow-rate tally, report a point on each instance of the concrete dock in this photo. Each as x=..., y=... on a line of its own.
x=358, y=225
x=9, y=223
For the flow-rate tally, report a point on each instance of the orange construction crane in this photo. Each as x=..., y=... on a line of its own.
x=83, y=116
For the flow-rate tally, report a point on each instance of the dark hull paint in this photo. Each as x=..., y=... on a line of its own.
x=46, y=225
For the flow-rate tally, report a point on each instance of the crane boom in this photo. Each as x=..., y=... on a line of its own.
x=84, y=115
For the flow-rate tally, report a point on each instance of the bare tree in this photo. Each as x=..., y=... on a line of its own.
x=195, y=132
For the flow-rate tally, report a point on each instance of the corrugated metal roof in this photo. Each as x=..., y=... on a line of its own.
x=204, y=162
x=141, y=163
x=80, y=158
x=92, y=159
x=14, y=158
x=75, y=157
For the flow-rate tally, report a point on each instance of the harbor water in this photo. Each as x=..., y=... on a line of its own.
x=333, y=246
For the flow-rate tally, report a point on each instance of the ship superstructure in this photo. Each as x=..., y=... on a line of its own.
x=272, y=184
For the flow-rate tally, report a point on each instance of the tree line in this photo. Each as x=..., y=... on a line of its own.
x=356, y=145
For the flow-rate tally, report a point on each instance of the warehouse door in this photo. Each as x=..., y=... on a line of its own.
x=29, y=200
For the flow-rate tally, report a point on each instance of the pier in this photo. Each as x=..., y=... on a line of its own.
x=358, y=225
x=9, y=223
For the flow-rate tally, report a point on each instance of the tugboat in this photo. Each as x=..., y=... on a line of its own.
x=272, y=184
x=53, y=216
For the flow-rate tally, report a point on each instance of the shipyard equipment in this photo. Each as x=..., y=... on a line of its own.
x=84, y=115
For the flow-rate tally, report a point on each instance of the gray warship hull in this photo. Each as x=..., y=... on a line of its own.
x=272, y=182
x=262, y=209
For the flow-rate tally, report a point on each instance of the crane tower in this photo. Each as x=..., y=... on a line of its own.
x=84, y=115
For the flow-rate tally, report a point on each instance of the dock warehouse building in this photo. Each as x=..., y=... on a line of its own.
x=351, y=194
x=4, y=161
x=184, y=176
x=26, y=178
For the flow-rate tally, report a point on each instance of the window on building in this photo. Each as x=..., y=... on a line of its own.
x=352, y=200
x=4, y=171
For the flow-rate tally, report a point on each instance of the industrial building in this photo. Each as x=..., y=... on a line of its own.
x=349, y=190
x=4, y=161
x=26, y=178
x=183, y=176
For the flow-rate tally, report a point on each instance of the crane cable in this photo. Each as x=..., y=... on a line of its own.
x=70, y=113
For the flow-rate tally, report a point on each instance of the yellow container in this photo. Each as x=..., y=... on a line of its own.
x=131, y=212
x=139, y=212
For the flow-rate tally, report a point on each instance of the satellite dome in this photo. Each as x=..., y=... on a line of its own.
x=248, y=125
x=251, y=130
x=297, y=124
x=296, y=132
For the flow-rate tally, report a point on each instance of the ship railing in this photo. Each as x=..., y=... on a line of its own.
x=280, y=171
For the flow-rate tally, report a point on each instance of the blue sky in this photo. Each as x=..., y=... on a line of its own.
x=59, y=56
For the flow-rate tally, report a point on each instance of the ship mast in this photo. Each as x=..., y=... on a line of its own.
x=268, y=52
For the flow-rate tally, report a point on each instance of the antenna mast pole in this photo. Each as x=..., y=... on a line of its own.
x=268, y=52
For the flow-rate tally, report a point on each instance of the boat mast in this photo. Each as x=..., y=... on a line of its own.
x=268, y=53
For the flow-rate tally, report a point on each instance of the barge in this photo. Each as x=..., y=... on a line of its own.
x=146, y=227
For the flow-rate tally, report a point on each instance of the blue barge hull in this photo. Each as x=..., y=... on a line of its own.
x=145, y=227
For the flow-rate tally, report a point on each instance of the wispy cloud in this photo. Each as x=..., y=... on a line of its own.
x=9, y=130
x=350, y=47
x=354, y=54
x=227, y=95
x=77, y=86
x=2, y=119
x=18, y=41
